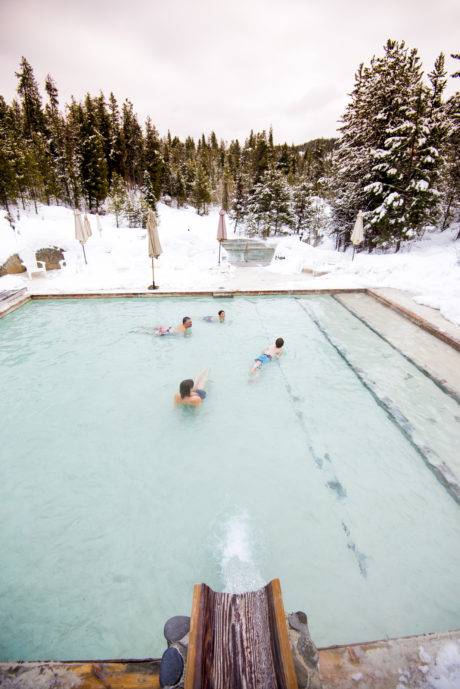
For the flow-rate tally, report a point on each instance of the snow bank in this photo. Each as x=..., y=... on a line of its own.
x=118, y=260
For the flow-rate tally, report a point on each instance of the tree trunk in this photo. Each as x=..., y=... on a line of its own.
x=446, y=220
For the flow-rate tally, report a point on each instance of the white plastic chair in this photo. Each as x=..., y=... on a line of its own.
x=33, y=267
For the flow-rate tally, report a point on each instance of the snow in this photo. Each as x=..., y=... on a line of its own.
x=118, y=260
x=445, y=672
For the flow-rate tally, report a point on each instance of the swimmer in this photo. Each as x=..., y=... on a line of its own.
x=212, y=319
x=192, y=393
x=181, y=329
x=275, y=350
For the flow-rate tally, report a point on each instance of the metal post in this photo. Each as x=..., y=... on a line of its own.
x=153, y=285
x=84, y=252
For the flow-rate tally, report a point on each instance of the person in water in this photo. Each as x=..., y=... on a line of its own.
x=192, y=393
x=212, y=319
x=180, y=329
x=274, y=351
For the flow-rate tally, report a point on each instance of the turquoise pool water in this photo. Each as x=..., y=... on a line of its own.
x=113, y=503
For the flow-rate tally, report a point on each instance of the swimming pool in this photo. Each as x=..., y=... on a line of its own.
x=113, y=503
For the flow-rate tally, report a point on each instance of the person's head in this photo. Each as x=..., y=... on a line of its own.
x=279, y=342
x=221, y=315
x=187, y=322
x=185, y=388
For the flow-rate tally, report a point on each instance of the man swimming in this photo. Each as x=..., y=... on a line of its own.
x=212, y=319
x=191, y=393
x=180, y=329
x=275, y=350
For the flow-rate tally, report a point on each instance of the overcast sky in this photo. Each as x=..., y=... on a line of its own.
x=227, y=65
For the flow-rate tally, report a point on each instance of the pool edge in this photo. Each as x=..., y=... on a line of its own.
x=380, y=661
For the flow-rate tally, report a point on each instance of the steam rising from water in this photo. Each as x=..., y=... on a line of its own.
x=238, y=569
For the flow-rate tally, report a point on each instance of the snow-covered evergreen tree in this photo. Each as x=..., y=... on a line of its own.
x=451, y=177
x=8, y=180
x=148, y=192
x=201, y=191
x=117, y=197
x=154, y=162
x=269, y=205
x=92, y=160
x=386, y=163
x=238, y=204
x=302, y=203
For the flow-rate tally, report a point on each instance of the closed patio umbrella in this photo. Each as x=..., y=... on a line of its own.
x=80, y=231
x=221, y=230
x=87, y=227
x=357, y=236
x=155, y=249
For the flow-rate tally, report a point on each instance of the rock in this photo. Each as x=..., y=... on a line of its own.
x=304, y=652
x=307, y=650
x=176, y=628
x=50, y=256
x=299, y=622
x=12, y=266
x=171, y=667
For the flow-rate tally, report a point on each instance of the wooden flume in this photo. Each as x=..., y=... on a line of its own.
x=239, y=641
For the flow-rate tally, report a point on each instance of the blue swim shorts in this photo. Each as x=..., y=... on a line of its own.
x=263, y=358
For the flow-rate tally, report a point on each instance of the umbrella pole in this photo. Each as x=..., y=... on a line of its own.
x=153, y=285
x=84, y=253
x=353, y=254
x=220, y=246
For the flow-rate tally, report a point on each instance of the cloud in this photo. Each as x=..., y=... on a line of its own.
x=199, y=65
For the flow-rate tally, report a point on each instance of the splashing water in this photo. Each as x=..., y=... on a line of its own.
x=238, y=569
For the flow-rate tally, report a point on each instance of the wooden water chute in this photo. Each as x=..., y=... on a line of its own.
x=239, y=641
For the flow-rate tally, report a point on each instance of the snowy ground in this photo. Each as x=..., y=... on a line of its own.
x=118, y=260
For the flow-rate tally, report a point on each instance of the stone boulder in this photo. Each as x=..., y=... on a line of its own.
x=12, y=266
x=304, y=651
x=50, y=257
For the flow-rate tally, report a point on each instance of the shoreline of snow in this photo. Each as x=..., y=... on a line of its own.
x=118, y=260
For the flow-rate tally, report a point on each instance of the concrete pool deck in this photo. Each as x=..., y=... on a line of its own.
x=408, y=661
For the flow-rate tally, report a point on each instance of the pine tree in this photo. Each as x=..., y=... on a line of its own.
x=201, y=191
x=115, y=156
x=302, y=203
x=55, y=126
x=280, y=213
x=92, y=163
x=117, y=197
x=181, y=187
x=154, y=162
x=135, y=209
x=238, y=205
x=33, y=117
x=225, y=199
x=451, y=177
x=104, y=127
x=383, y=163
x=148, y=192
x=38, y=165
x=131, y=146
x=437, y=126
x=72, y=151
x=8, y=182
x=351, y=161
x=269, y=205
